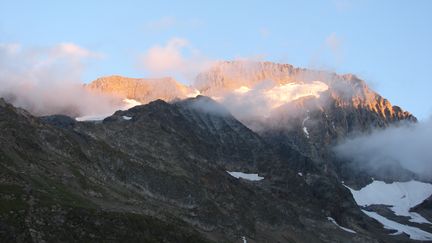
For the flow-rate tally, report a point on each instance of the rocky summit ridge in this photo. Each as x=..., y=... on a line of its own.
x=141, y=90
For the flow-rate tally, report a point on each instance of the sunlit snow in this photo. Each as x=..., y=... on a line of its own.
x=129, y=103
x=285, y=93
x=194, y=94
x=242, y=90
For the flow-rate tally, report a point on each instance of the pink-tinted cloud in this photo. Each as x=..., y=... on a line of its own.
x=47, y=80
x=176, y=58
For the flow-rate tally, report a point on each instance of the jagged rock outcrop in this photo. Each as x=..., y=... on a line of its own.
x=344, y=90
x=141, y=90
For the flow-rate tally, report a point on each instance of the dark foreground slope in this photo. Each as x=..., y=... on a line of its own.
x=157, y=173
x=47, y=184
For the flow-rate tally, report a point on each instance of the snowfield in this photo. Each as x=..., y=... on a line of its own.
x=250, y=177
x=401, y=197
x=413, y=232
x=285, y=93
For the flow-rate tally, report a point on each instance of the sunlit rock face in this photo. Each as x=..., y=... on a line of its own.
x=142, y=90
x=282, y=84
x=231, y=75
x=255, y=90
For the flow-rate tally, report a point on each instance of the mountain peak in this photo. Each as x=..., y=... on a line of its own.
x=140, y=89
x=275, y=84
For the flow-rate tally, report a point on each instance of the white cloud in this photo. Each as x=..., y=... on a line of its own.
x=48, y=80
x=10, y=47
x=260, y=100
x=73, y=50
x=407, y=145
x=165, y=58
x=177, y=57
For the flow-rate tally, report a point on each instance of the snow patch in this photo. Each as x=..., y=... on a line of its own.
x=285, y=93
x=305, y=130
x=93, y=117
x=194, y=94
x=129, y=103
x=401, y=196
x=250, y=177
x=127, y=118
x=259, y=100
x=242, y=90
x=300, y=174
x=413, y=232
x=126, y=105
x=343, y=228
x=244, y=239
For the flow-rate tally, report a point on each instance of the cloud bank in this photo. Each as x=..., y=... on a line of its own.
x=175, y=58
x=48, y=81
x=408, y=145
x=260, y=100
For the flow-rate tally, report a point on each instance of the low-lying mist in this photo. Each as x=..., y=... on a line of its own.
x=262, y=100
x=408, y=145
x=48, y=81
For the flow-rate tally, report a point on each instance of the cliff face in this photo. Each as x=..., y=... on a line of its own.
x=142, y=90
x=230, y=75
x=344, y=90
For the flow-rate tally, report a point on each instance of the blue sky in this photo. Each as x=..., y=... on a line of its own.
x=387, y=43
